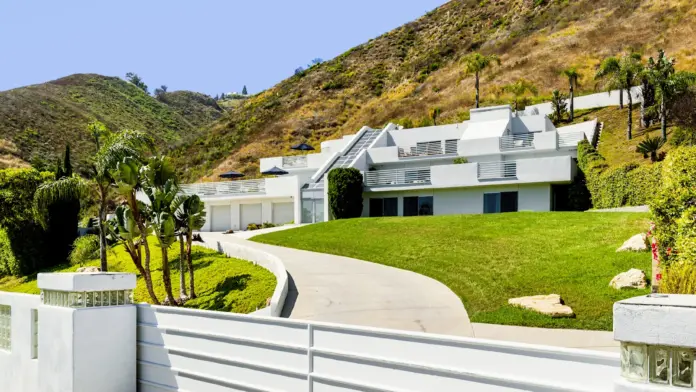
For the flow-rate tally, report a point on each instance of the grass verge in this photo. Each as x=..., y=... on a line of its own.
x=486, y=259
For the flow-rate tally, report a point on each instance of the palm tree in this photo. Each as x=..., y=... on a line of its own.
x=668, y=84
x=519, y=88
x=64, y=189
x=559, y=105
x=475, y=64
x=609, y=71
x=159, y=184
x=190, y=212
x=181, y=233
x=650, y=146
x=434, y=114
x=573, y=75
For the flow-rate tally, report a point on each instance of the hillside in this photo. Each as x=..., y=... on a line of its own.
x=402, y=74
x=37, y=121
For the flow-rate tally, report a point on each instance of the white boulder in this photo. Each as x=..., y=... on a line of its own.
x=551, y=305
x=631, y=279
x=634, y=244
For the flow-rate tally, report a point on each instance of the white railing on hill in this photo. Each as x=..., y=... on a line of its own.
x=192, y=350
x=410, y=176
x=225, y=188
x=516, y=142
x=295, y=161
x=497, y=170
x=431, y=148
x=570, y=139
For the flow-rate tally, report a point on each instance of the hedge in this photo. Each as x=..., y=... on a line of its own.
x=345, y=193
x=611, y=187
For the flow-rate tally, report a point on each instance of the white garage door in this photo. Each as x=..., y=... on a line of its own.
x=251, y=213
x=283, y=213
x=221, y=218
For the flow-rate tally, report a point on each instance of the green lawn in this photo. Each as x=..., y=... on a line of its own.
x=222, y=283
x=486, y=259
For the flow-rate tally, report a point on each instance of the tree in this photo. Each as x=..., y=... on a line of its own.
x=668, y=83
x=609, y=72
x=519, y=89
x=159, y=92
x=434, y=113
x=559, y=105
x=647, y=92
x=573, y=75
x=244, y=90
x=316, y=61
x=475, y=64
x=190, y=213
x=650, y=146
x=67, y=166
x=345, y=193
x=159, y=184
x=137, y=81
x=299, y=71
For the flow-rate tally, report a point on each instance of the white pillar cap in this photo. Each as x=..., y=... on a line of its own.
x=79, y=282
x=666, y=320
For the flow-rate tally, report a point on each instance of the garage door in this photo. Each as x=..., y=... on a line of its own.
x=283, y=213
x=221, y=218
x=251, y=213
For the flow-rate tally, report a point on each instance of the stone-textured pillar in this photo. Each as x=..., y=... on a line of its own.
x=87, y=333
x=658, y=340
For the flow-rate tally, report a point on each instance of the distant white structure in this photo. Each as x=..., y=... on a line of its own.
x=513, y=162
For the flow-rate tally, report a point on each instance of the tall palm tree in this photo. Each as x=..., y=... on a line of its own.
x=190, y=212
x=475, y=64
x=434, y=113
x=609, y=71
x=668, y=84
x=573, y=75
x=519, y=89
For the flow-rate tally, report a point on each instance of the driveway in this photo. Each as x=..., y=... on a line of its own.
x=343, y=290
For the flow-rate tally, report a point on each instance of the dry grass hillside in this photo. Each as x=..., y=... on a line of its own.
x=402, y=74
x=37, y=121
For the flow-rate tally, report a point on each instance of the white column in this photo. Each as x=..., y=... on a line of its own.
x=87, y=333
x=658, y=340
x=235, y=216
x=266, y=211
x=208, y=219
x=327, y=208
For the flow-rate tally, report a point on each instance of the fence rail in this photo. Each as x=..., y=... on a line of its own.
x=429, y=148
x=516, y=142
x=570, y=139
x=225, y=188
x=419, y=175
x=497, y=170
x=295, y=161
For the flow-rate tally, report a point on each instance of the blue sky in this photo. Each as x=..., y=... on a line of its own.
x=211, y=46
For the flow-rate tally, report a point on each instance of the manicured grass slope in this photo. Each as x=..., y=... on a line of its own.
x=222, y=283
x=486, y=259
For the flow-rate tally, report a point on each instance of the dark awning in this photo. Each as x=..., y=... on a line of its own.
x=302, y=147
x=231, y=174
x=275, y=171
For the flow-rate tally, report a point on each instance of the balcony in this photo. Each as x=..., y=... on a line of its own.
x=225, y=188
x=410, y=176
x=430, y=148
x=517, y=142
x=570, y=139
x=297, y=161
x=497, y=170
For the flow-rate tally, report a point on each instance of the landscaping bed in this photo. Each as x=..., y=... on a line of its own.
x=487, y=259
x=222, y=283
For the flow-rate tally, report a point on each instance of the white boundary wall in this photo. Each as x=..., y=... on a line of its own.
x=191, y=350
x=265, y=260
x=18, y=371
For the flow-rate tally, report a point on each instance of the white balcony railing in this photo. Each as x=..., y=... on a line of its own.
x=295, y=161
x=410, y=176
x=429, y=148
x=497, y=170
x=570, y=139
x=225, y=188
x=517, y=142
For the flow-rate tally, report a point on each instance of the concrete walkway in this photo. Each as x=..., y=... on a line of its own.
x=343, y=290
x=571, y=338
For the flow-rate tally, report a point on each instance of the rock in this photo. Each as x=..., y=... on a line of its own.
x=631, y=279
x=636, y=243
x=230, y=231
x=551, y=305
x=88, y=270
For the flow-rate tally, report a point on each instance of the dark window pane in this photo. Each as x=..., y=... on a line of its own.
x=508, y=202
x=391, y=206
x=376, y=208
x=425, y=205
x=491, y=203
x=411, y=206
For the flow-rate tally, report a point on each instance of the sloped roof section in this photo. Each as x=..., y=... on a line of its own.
x=486, y=129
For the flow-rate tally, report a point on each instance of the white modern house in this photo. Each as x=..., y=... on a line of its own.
x=498, y=161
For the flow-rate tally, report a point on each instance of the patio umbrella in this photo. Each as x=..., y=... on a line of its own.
x=275, y=171
x=302, y=147
x=231, y=174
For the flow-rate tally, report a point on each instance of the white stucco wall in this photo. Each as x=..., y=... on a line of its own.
x=410, y=137
x=491, y=113
x=18, y=371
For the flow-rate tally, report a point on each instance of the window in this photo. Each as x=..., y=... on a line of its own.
x=499, y=202
x=384, y=207
x=5, y=328
x=34, y=334
x=418, y=205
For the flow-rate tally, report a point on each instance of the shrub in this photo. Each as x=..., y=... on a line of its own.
x=252, y=226
x=345, y=193
x=7, y=259
x=679, y=278
x=267, y=225
x=85, y=248
x=460, y=160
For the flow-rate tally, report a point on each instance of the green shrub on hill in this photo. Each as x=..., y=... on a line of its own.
x=345, y=193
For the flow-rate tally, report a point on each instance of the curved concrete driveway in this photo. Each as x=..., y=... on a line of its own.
x=343, y=290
